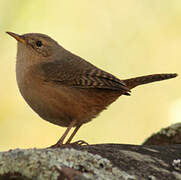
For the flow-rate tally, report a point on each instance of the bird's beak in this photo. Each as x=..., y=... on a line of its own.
x=17, y=37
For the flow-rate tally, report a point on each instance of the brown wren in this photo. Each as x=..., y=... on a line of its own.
x=63, y=88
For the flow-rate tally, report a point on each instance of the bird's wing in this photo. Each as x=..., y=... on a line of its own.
x=82, y=75
x=96, y=78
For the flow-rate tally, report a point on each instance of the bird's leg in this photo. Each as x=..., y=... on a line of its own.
x=73, y=134
x=80, y=142
x=60, y=141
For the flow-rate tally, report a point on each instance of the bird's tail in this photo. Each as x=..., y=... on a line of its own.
x=133, y=82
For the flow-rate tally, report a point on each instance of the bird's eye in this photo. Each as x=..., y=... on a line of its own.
x=39, y=43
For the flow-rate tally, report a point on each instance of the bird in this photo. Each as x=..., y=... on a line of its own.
x=65, y=89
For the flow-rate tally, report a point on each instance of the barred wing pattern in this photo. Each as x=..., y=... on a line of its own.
x=96, y=78
x=82, y=75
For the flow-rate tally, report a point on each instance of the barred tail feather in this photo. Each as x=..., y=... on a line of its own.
x=133, y=82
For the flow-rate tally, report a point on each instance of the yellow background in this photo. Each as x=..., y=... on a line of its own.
x=125, y=38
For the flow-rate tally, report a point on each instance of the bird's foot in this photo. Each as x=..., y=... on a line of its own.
x=56, y=146
x=79, y=143
x=76, y=143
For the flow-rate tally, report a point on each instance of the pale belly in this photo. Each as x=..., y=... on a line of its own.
x=60, y=105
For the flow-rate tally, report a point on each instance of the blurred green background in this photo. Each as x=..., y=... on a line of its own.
x=125, y=38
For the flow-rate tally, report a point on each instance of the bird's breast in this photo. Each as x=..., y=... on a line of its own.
x=61, y=104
